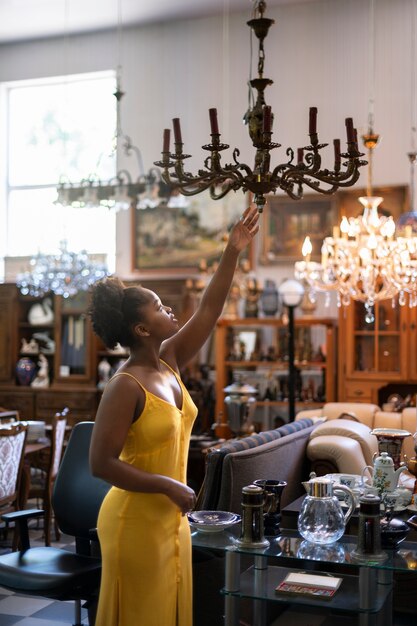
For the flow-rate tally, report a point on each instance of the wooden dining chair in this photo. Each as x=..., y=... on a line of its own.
x=7, y=416
x=57, y=572
x=12, y=448
x=44, y=469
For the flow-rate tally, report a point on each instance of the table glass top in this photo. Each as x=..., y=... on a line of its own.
x=291, y=546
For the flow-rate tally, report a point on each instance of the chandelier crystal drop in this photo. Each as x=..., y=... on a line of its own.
x=303, y=168
x=65, y=273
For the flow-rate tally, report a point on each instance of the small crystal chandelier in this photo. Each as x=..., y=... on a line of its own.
x=304, y=166
x=65, y=273
x=363, y=260
x=122, y=191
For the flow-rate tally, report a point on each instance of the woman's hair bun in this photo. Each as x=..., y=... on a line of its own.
x=106, y=311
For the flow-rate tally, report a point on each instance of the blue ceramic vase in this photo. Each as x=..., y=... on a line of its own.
x=25, y=371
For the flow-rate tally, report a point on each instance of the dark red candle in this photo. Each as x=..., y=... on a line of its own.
x=300, y=155
x=213, y=122
x=177, y=130
x=266, y=126
x=313, y=121
x=336, y=144
x=167, y=135
x=350, y=134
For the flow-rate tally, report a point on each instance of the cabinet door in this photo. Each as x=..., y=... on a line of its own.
x=7, y=335
x=73, y=349
x=378, y=346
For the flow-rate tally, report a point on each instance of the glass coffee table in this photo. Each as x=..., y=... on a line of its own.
x=365, y=592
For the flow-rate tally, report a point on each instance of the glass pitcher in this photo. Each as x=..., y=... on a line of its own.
x=321, y=518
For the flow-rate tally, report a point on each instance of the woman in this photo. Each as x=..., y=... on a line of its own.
x=140, y=445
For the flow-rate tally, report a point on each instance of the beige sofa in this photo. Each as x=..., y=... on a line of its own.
x=347, y=446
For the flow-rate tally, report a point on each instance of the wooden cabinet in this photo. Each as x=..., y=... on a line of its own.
x=63, y=333
x=376, y=351
x=59, y=329
x=256, y=350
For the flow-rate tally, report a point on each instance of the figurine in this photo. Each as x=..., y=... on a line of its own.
x=41, y=313
x=42, y=377
x=103, y=369
x=47, y=344
x=29, y=347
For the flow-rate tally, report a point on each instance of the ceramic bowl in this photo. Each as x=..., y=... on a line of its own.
x=393, y=532
x=212, y=521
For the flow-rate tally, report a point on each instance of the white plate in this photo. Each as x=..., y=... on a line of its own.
x=212, y=521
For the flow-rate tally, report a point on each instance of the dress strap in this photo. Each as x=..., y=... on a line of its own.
x=131, y=376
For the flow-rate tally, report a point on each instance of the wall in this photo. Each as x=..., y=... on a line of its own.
x=316, y=53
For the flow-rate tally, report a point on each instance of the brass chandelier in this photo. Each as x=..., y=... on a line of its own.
x=303, y=167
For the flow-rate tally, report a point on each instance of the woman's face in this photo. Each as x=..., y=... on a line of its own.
x=157, y=318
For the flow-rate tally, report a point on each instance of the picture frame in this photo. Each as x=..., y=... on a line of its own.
x=179, y=237
x=286, y=223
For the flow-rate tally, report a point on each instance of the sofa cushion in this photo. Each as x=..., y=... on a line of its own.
x=343, y=452
x=282, y=459
x=352, y=430
x=209, y=493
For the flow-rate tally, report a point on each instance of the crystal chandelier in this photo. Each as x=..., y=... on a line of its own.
x=304, y=166
x=122, y=191
x=65, y=273
x=364, y=260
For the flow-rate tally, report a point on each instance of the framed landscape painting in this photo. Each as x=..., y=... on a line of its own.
x=180, y=235
x=286, y=222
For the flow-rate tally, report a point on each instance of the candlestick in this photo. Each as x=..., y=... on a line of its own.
x=266, y=126
x=213, y=122
x=313, y=121
x=167, y=135
x=350, y=131
x=177, y=130
x=336, y=144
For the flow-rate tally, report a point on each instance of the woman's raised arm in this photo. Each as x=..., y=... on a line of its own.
x=182, y=347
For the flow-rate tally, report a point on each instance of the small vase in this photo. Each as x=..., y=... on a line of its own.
x=25, y=371
x=269, y=299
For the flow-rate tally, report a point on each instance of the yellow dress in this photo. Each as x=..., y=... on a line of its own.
x=145, y=541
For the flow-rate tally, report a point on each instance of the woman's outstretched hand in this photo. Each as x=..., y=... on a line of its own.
x=244, y=230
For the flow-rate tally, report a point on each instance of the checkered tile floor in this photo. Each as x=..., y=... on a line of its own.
x=16, y=609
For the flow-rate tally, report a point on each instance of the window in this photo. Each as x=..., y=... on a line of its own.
x=58, y=128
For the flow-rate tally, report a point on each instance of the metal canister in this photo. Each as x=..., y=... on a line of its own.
x=369, y=530
x=252, y=535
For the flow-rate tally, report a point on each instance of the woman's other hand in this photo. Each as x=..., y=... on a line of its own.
x=181, y=495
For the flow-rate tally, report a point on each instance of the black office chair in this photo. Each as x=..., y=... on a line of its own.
x=53, y=572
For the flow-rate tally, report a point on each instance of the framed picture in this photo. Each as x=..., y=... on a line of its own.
x=395, y=201
x=180, y=235
x=286, y=223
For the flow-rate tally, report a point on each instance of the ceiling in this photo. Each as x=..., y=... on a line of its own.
x=32, y=19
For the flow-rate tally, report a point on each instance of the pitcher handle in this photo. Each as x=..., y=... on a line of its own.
x=352, y=503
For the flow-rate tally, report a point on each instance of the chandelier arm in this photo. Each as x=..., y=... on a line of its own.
x=224, y=192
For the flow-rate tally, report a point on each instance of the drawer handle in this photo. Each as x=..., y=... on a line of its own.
x=358, y=392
